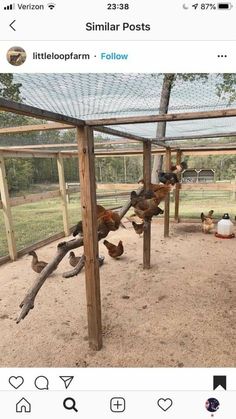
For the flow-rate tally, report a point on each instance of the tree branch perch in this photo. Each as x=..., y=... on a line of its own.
x=62, y=249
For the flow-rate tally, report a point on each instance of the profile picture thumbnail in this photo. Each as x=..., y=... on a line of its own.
x=16, y=56
x=212, y=404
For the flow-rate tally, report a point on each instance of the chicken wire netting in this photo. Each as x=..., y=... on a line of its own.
x=96, y=96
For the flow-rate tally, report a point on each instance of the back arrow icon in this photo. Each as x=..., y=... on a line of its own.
x=12, y=23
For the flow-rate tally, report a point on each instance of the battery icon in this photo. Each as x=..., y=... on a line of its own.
x=225, y=6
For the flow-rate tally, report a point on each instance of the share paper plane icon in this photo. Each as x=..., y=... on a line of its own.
x=66, y=379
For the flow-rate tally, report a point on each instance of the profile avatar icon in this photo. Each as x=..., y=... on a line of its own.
x=212, y=405
x=16, y=56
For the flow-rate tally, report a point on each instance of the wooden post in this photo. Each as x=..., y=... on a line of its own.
x=177, y=188
x=147, y=180
x=62, y=185
x=7, y=211
x=67, y=193
x=167, y=199
x=89, y=218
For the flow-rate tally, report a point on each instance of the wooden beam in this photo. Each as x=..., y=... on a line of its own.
x=200, y=137
x=35, y=128
x=13, y=152
x=65, y=145
x=187, y=116
x=22, y=109
x=89, y=218
x=7, y=211
x=177, y=188
x=118, y=133
x=147, y=180
x=159, y=143
x=62, y=185
x=167, y=199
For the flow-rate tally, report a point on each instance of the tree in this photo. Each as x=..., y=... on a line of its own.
x=19, y=174
x=169, y=81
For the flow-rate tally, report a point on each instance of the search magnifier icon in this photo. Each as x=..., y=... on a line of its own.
x=70, y=404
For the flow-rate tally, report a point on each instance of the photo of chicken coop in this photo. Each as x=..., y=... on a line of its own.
x=127, y=272
x=16, y=56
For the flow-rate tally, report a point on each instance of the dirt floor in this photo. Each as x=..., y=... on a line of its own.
x=180, y=313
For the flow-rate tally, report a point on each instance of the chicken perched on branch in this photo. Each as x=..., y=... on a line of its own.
x=207, y=222
x=138, y=228
x=168, y=178
x=105, y=219
x=157, y=190
x=145, y=208
x=113, y=250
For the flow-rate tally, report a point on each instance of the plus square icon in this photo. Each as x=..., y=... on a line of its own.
x=117, y=404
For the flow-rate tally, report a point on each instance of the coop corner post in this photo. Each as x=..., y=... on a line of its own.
x=62, y=185
x=147, y=180
x=167, y=199
x=89, y=218
x=7, y=211
x=177, y=188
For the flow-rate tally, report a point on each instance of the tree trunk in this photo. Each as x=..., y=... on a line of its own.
x=161, y=126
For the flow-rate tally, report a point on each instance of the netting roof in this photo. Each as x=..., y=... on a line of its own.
x=96, y=96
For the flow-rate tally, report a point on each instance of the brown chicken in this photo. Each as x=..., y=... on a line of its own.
x=159, y=190
x=74, y=260
x=145, y=208
x=106, y=219
x=138, y=228
x=113, y=250
x=37, y=265
x=207, y=222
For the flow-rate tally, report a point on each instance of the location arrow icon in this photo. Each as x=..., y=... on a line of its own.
x=67, y=379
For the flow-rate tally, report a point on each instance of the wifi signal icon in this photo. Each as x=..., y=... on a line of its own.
x=51, y=6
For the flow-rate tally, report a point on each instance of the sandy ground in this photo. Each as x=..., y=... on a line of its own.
x=181, y=313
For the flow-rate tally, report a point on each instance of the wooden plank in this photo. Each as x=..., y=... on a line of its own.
x=89, y=217
x=185, y=116
x=209, y=152
x=35, y=128
x=120, y=153
x=22, y=109
x=13, y=152
x=7, y=211
x=199, y=137
x=221, y=186
x=119, y=133
x=147, y=180
x=65, y=145
x=177, y=188
x=4, y=259
x=63, y=195
x=117, y=186
x=29, y=199
x=167, y=199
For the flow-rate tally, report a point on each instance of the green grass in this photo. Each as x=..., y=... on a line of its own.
x=39, y=220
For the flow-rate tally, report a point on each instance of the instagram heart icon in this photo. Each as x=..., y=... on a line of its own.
x=16, y=382
x=164, y=404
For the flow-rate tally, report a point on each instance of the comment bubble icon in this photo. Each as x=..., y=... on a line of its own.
x=41, y=383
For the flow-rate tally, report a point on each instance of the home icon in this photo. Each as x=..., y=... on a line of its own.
x=23, y=406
